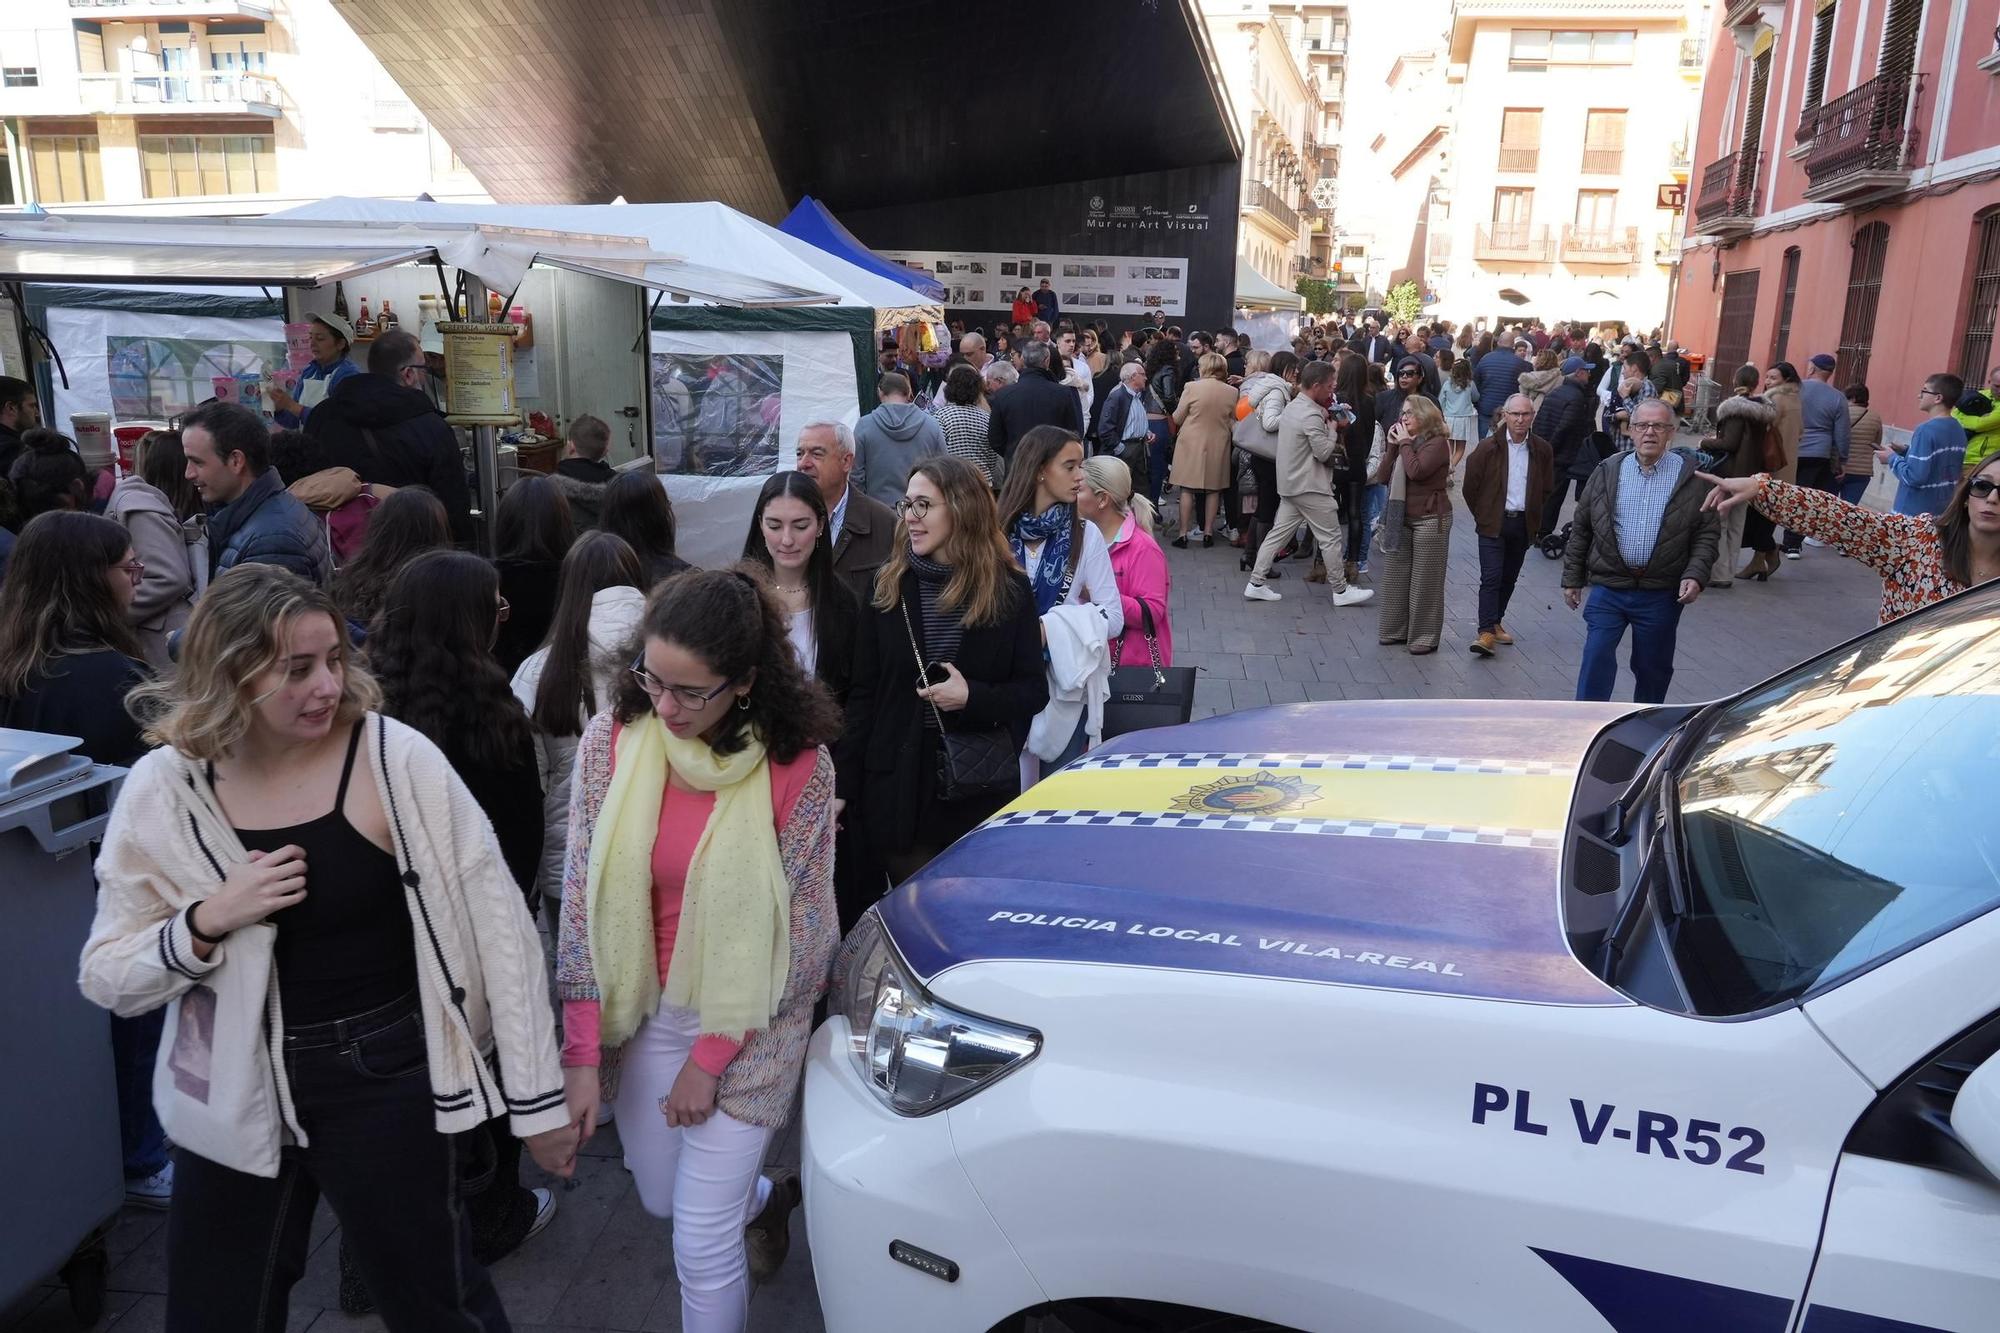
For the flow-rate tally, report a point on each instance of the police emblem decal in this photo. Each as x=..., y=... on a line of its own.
x=1260, y=793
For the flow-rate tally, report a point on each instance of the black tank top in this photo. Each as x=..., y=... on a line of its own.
x=347, y=947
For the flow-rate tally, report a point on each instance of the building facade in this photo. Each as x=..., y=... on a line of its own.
x=205, y=106
x=1571, y=123
x=1278, y=112
x=1847, y=193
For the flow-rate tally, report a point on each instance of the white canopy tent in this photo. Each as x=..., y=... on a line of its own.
x=1254, y=291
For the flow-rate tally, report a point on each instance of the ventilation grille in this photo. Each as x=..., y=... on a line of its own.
x=1595, y=867
x=1616, y=763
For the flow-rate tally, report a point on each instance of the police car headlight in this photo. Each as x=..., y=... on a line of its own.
x=918, y=1054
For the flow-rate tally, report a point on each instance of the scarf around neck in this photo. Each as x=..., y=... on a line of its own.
x=1053, y=528
x=733, y=949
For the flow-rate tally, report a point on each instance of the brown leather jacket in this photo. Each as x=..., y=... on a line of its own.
x=1426, y=476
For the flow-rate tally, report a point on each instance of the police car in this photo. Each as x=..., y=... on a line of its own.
x=1414, y=1017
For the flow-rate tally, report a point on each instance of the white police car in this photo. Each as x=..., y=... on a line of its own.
x=1415, y=1017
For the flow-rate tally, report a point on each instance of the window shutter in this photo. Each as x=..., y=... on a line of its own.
x=1822, y=48
x=1982, y=304
x=1899, y=38
x=1864, y=294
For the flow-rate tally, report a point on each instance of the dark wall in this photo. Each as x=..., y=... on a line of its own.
x=1189, y=211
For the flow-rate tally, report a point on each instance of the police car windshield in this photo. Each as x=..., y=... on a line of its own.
x=1841, y=814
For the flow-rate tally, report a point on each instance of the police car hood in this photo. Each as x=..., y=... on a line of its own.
x=1411, y=845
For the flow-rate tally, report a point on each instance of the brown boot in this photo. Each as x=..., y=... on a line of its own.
x=1502, y=637
x=1484, y=644
x=1317, y=574
x=768, y=1238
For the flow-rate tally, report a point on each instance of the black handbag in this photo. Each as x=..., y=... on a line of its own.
x=1148, y=696
x=986, y=762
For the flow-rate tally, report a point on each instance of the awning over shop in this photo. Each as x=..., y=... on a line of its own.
x=812, y=223
x=1254, y=291
x=282, y=252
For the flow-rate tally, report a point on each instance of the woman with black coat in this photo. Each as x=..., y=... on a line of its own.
x=952, y=596
x=532, y=532
x=636, y=508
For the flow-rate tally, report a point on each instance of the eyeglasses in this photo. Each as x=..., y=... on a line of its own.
x=1982, y=488
x=1651, y=427
x=1932, y=392
x=134, y=568
x=919, y=508
x=690, y=699
x=418, y=365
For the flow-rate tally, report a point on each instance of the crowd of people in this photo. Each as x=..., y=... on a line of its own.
x=365, y=760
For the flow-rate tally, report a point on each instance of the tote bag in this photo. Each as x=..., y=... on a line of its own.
x=1148, y=696
x=213, y=1079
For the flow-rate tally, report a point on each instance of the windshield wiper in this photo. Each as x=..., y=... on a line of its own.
x=1615, y=828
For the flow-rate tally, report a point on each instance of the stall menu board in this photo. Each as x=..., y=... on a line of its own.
x=1084, y=285
x=479, y=374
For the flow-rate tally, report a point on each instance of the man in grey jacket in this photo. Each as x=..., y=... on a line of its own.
x=889, y=441
x=1307, y=448
x=1823, y=435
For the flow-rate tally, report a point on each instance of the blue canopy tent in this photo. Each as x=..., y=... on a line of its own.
x=811, y=223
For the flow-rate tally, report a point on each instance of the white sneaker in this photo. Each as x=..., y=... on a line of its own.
x=1229, y=534
x=545, y=1211
x=1352, y=596
x=154, y=1191
x=1814, y=541
x=1254, y=591
x=1194, y=534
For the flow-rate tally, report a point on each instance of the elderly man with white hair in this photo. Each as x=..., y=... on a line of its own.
x=1508, y=477
x=863, y=528
x=972, y=347
x=1124, y=429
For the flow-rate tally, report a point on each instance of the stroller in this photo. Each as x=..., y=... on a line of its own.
x=1552, y=544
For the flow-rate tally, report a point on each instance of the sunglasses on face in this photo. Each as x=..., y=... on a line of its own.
x=1982, y=488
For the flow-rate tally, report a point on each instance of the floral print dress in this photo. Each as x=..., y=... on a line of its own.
x=1903, y=548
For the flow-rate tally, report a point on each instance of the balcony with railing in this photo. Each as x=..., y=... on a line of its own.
x=1600, y=245
x=1520, y=157
x=181, y=93
x=1257, y=195
x=1694, y=57
x=1667, y=244
x=1679, y=160
x=146, y=11
x=1726, y=204
x=1513, y=243
x=1603, y=161
x=1861, y=144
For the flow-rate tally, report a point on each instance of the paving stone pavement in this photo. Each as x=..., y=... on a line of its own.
x=604, y=1265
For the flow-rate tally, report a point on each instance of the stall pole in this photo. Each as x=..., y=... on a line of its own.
x=485, y=442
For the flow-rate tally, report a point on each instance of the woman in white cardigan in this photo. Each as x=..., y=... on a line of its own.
x=574, y=674
x=351, y=974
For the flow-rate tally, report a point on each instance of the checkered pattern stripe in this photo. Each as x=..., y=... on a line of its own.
x=1538, y=839
x=1378, y=763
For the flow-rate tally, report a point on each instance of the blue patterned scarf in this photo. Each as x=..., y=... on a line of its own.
x=1053, y=528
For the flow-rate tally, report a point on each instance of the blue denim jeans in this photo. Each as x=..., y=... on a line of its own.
x=1852, y=488
x=1156, y=467
x=1377, y=499
x=1655, y=617
x=135, y=1043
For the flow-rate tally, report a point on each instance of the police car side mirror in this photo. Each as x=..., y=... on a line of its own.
x=1975, y=1115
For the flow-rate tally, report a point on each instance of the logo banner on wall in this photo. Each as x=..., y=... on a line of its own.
x=1133, y=285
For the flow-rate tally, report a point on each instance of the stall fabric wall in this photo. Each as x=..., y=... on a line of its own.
x=145, y=354
x=816, y=382
x=1189, y=212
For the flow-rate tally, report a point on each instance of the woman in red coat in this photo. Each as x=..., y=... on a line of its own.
x=1024, y=309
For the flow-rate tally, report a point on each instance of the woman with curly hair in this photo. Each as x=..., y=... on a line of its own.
x=430, y=649
x=407, y=524
x=698, y=922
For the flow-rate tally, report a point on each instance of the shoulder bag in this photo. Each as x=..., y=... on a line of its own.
x=1148, y=696
x=985, y=762
x=1249, y=435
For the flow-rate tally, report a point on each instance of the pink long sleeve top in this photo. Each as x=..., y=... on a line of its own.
x=1140, y=567
x=683, y=816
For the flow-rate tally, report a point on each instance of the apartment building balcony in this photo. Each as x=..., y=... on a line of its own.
x=1667, y=244
x=1861, y=144
x=148, y=11
x=1726, y=204
x=1600, y=245
x=1513, y=243
x=1603, y=161
x=1258, y=196
x=1437, y=249
x=180, y=93
x=1517, y=158
x=1679, y=161
x=1694, y=58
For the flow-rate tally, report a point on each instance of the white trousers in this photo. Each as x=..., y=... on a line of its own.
x=705, y=1177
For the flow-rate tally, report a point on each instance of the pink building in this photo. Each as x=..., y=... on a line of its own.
x=1845, y=195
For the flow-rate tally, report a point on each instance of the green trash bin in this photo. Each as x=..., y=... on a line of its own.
x=61, y=1105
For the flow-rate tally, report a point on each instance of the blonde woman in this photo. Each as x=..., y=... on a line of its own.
x=1203, y=421
x=1139, y=566
x=698, y=922
x=1414, y=548
x=287, y=850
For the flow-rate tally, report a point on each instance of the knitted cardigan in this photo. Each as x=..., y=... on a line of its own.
x=760, y=1084
x=489, y=1035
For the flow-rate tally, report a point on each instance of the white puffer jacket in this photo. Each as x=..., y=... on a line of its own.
x=614, y=623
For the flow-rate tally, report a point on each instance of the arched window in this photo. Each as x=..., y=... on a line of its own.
x=1982, y=298
x=1864, y=293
